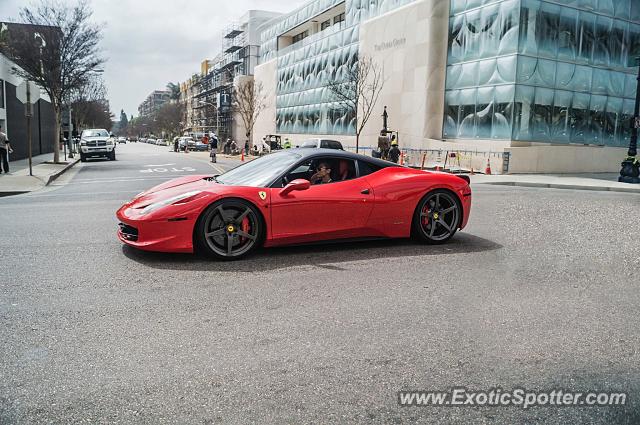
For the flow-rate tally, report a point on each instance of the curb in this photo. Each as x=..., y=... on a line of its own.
x=57, y=174
x=566, y=186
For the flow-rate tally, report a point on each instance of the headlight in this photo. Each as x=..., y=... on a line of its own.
x=173, y=200
x=110, y=142
x=83, y=143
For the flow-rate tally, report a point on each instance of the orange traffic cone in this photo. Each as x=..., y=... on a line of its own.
x=487, y=170
x=472, y=173
x=242, y=156
x=401, y=158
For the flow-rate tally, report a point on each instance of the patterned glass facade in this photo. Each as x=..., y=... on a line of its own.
x=304, y=105
x=542, y=71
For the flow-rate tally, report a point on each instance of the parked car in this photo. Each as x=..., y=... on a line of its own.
x=322, y=143
x=151, y=141
x=161, y=142
x=273, y=141
x=97, y=142
x=200, y=146
x=183, y=141
x=122, y=140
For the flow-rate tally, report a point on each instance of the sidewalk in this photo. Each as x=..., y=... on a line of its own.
x=601, y=181
x=19, y=181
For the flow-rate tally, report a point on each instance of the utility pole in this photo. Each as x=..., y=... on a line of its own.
x=28, y=114
x=70, y=138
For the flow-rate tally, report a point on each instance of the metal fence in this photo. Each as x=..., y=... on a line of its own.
x=452, y=160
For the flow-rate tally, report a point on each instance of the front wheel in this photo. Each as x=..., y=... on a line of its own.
x=229, y=229
x=437, y=217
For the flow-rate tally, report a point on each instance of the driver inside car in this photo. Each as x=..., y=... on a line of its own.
x=322, y=174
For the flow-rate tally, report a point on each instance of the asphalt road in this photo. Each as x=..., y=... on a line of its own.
x=541, y=291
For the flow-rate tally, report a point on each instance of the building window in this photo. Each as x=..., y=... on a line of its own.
x=301, y=36
x=326, y=24
x=338, y=19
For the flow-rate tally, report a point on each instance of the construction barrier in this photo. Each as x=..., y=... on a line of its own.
x=455, y=161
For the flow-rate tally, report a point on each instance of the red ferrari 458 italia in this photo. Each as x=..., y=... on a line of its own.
x=295, y=196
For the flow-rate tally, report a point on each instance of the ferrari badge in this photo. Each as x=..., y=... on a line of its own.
x=263, y=195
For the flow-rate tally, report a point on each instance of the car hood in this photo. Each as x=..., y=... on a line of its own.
x=170, y=189
x=96, y=138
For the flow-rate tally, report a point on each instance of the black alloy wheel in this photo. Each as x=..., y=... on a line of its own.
x=229, y=229
x=437, y=217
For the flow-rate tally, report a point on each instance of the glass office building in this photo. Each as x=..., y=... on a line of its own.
x=541, y=71
x=304, y=104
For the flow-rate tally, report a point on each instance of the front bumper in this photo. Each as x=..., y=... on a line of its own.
x=96, y=151
x=161, y=235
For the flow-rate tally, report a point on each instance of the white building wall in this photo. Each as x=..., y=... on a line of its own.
x=410, y=44
x=265, y=74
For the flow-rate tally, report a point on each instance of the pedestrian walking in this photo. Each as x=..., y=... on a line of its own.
x=214, y=149
x=5, y=150
x=394, y=152
x=246, y=147
x=176, y=144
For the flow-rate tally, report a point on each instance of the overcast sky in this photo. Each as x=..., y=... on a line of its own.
x=151, y=42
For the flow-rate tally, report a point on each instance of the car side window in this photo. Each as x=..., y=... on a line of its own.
x=302, y=171
x=332, y=170
x=365, y=168
x=322, y=170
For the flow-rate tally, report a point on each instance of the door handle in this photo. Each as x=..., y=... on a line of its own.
x=364, y=191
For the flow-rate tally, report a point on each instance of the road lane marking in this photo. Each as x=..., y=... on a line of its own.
x=164, y=178
x=168, y=170
x=120, y=192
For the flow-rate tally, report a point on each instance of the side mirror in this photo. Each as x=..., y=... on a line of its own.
x=297, y=184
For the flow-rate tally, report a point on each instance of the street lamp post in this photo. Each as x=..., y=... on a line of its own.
x=217, y=115
x=630, y=172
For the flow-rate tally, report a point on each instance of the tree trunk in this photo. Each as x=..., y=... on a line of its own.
x=56, y=136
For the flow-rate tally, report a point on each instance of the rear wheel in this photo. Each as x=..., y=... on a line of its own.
x=437, y=217
x=229, y=229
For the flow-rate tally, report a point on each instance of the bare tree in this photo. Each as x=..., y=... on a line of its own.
x=87, y=100
x=168, y=118
x=249, y=101
x=358, y=90
x=57, y=49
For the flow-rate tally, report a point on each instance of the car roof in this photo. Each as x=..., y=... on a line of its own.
x=312, y=153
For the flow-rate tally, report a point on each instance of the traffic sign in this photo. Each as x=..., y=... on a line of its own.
x=21, y=92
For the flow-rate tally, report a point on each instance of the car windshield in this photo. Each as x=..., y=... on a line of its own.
x=309, y=144
x=95, y=133
x=260, y=172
